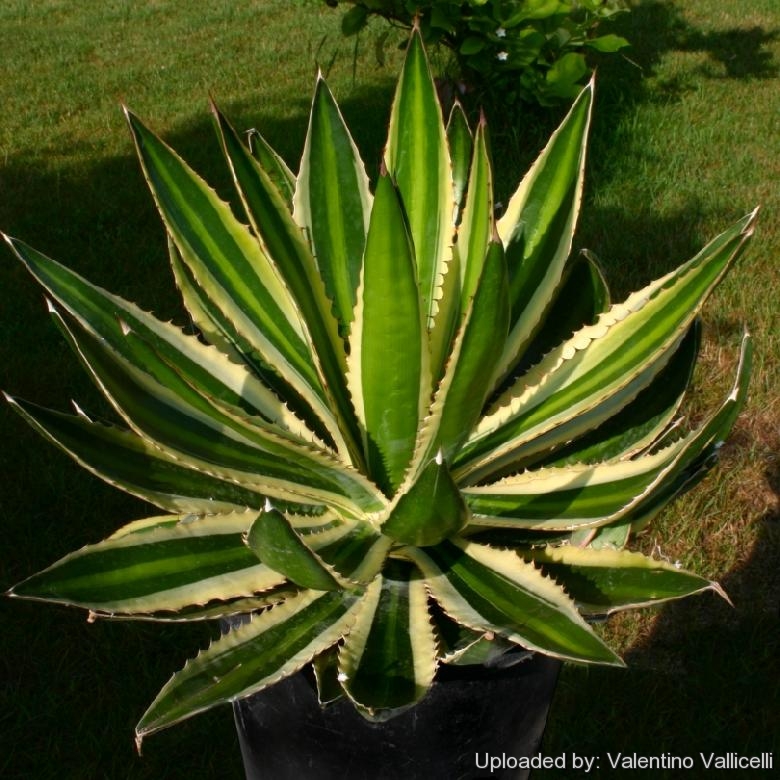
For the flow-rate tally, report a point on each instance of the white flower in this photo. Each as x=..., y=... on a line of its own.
x=502, y=55
x=500, y=33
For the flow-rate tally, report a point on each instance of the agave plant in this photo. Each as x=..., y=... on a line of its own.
x=406, y=432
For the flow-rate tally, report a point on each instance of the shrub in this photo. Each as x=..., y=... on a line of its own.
x=507, y=50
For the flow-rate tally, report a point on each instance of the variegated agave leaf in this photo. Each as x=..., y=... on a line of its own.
x=404, y=431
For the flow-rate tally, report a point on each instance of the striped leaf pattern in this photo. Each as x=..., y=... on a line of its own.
x=404, y=433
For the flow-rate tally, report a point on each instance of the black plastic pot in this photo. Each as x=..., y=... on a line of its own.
x=470, y=715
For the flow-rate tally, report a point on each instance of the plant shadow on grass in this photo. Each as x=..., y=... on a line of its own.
x=703, y=681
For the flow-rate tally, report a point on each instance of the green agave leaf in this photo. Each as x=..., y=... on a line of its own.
x=493, y=590
x=581, y=298
x=175, y=423
x=109, y=317
x=214, y=610
x=427, y=510
x=686, y=474
x=274, y=645
x=565, y=498
x=219, y=331
x=284, y=242
x=449, y=307
x=418, y=159
x=355, y=550
x=640, y=424
x=463, y=646
x=538, y=226
x=276, y=168
x=158, y=564
x=700, y=447
x=128, y=462
x=477, y=228
x=602, y=368
x=562, y=499
x=459, y=142
x=466, y=384
x=604, y=581
x=326, y=674
x=388, y=660
x=388, y=359
x=274, y=540
x=476, y=231
x=205, y=317
x=333, y=202
x=237, y=278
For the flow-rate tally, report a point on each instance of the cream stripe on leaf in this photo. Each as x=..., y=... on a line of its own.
x=214, y=610
x=211, y=442
x=560, y=499
x=109, y=317
x=701, y=447
x=538, y=225
x=273, y=164
x=565, y=498
x=474, y=196
x=297, y=414
x=640, y=424
x=477, y=228
x=582, y=296
x=130, y=463
x=354, y=550
x=466, y=383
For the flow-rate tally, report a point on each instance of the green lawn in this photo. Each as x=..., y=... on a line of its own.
x=686, y=140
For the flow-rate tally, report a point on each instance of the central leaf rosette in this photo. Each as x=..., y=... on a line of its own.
x=430, y=511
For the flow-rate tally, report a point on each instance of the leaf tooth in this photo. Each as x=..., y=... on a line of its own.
x=437, y=291
x=81, y=413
